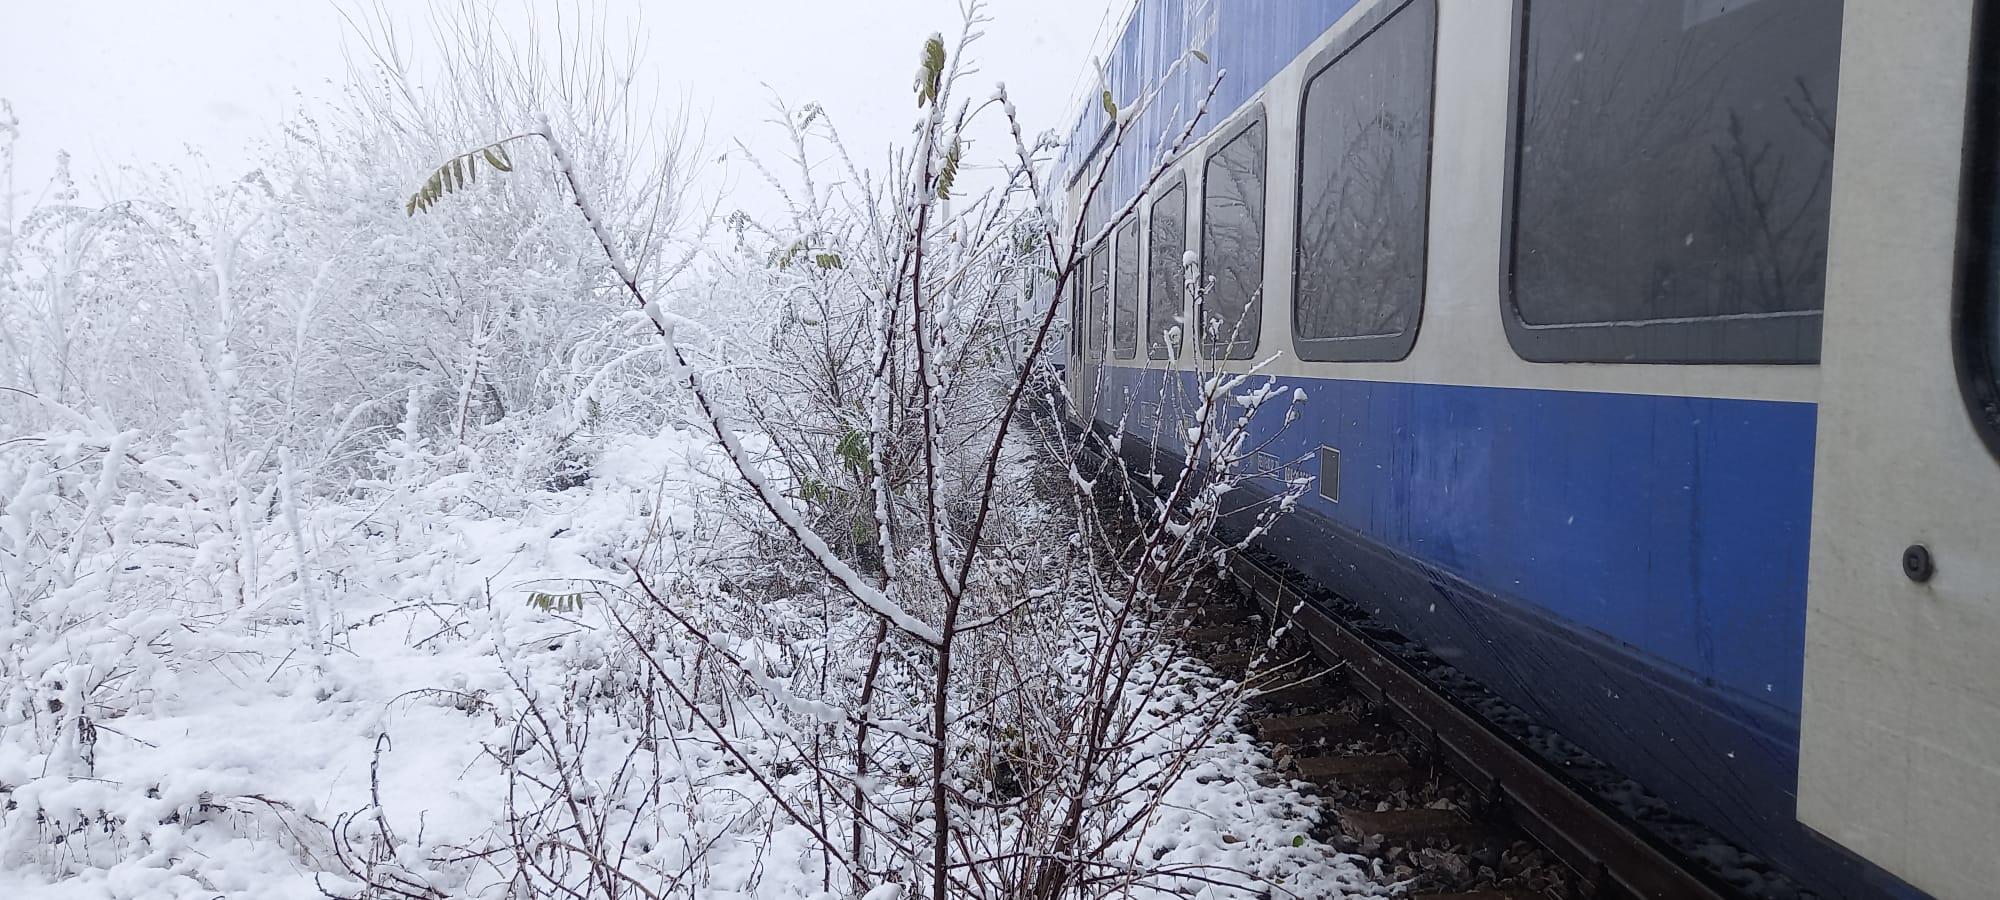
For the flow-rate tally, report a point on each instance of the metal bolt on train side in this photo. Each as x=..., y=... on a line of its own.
x=1652, y=400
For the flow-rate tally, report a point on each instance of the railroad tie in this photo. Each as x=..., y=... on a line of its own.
x=1230, y=661
x=1495, y=894
x=1312, y=694
x=1379, y=770
x=1207, y=635
x=1300, y=731
x=1229, y=613
x=1401, y=825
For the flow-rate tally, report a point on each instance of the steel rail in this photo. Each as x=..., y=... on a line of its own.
x=1616, y=860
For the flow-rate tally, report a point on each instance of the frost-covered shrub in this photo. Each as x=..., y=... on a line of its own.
x=195, y=379
x=969, y=677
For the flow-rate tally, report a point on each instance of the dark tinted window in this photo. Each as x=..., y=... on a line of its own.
x=1076, y=314
x=1977, y=319
x=1125, y=292
x=1983, y=359
x=1232, y=244
x=1990, y=319
x=1165, y=297
x=1673, y=166
x=1094, y=311
x=1364, y=172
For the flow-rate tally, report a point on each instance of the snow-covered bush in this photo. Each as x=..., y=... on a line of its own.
x=975, y=708
x=198, y=383
x=376, y=529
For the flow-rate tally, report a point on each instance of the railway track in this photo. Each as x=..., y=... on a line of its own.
x=1453, y=807
x=1447, y=806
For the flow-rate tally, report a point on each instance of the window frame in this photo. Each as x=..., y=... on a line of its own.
x=1975, y=319
x=1075, y=286
x=1252, y=116
x=1167, y=352
x=1730, y=339
x=1367, y=347
x=1090, y=156
x=1115, y=235
x=1098, y=341
x=1093, y=232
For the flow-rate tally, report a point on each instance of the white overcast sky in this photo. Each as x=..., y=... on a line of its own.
x=117, y=82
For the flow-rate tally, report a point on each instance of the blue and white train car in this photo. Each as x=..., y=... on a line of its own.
x=1633, y=392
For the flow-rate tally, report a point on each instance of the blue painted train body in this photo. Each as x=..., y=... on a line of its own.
x=1629, y=570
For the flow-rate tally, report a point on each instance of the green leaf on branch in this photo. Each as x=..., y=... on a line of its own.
x=556, y=602
x=457, y=172
x=853, y=452
x=948, y=173
x=783, y=259
x=930, y=73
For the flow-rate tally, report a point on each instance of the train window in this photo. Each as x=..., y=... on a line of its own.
x=1100, y=273
x=1981, y=355
x=1076, y=330
x=1232, y=243
x=1979, y=345
x=1093, y=215
x=1125, y=292
x=1166, y=244
x=1671, y=171
x=1068, y=298
x=1977, y=318
x=1364, y=190
x=1085, y=165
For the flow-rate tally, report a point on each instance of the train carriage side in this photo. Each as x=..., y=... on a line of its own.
x=1554, y=275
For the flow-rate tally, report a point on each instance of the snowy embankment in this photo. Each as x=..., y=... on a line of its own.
x=251, y=764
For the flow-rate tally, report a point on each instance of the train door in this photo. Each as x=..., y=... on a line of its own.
x=1900, y=731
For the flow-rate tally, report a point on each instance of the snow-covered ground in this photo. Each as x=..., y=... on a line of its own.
x=248, y=750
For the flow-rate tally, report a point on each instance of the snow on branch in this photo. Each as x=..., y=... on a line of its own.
x=773, y=499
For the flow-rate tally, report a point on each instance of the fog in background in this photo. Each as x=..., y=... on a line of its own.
x=121, y=83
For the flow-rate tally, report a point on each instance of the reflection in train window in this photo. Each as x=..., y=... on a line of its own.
x=1232, y=244
x=1125, y=292
x=1673, y=165
x=1166, y=243
x=1364, y=167
x=1093, y=326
